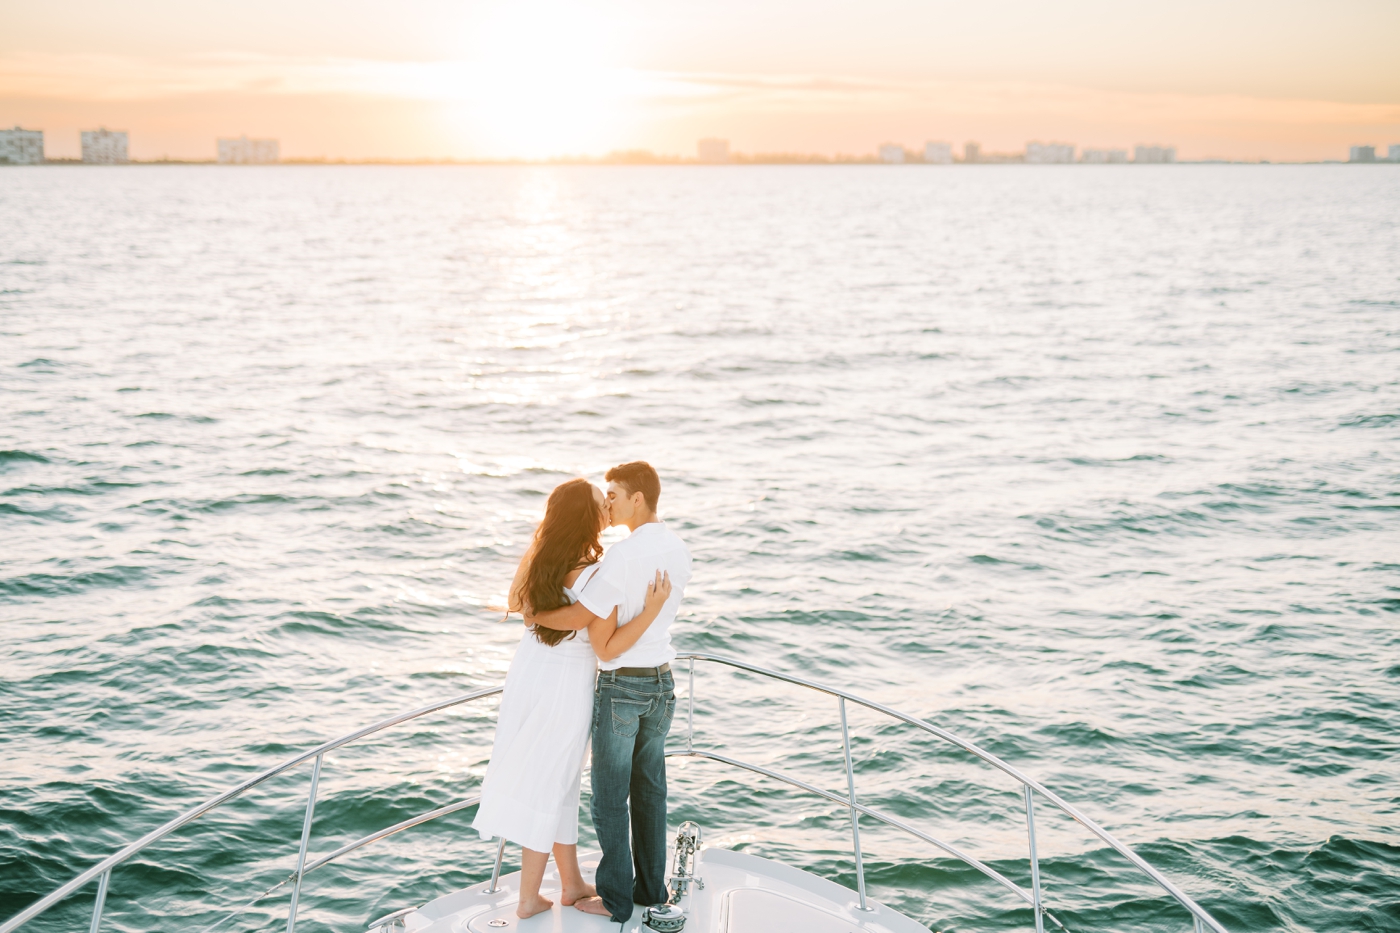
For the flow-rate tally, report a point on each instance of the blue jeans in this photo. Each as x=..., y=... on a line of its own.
x=631, y=716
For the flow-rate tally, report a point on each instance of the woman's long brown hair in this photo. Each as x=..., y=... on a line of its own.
x=566, y=540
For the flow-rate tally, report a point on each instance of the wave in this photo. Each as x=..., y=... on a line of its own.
x=33, y=585
x=1370, y=421
x=21, y=456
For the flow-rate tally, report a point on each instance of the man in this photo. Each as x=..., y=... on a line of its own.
x=634, y=699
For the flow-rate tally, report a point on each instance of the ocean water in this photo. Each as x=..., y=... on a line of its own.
x=1096, y=466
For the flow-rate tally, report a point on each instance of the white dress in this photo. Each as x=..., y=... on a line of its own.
x=531, y=792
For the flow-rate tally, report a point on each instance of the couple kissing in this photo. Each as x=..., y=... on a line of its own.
x=592, y=666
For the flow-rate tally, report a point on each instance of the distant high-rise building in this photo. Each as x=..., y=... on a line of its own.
x=1104, y=156
x=1154, y=154
x=972, y=152
x=21, y=147
x=713, y=150
x=893, y=153
x=1394, y=154
x=1362, y=154
x=938, y=153
x=1049, y=153
x=104, y=147
x=245, y=151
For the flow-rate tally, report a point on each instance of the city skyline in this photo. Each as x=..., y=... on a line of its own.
x=26, y=146
x=540, y=79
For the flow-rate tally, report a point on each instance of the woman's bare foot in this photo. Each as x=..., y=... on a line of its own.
x=592, y=905
x=532, y=906
x=571, y=896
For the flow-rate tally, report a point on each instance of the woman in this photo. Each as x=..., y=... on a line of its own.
x=531, y=792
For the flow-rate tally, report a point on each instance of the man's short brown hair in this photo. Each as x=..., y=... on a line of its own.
x=637, y=477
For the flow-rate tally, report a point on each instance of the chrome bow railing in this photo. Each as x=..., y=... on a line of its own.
x=1202, y=920
x=102, y=871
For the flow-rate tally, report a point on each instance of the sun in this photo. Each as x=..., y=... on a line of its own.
x=542, y=79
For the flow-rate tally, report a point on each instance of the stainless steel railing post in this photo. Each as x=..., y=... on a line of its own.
x=496, y=872
x=305, y=838
x=690, y=715
x=101, y=899
x=1035, y=862
x=855, y=817
x=1199, y=927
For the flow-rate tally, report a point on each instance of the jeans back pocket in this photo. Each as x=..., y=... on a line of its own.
x=662, y=724
x=627, y=715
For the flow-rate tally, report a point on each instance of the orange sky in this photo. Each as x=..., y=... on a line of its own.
x=430, y=78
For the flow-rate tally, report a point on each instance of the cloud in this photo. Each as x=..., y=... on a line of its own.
x=108, y=77
x=988, y=98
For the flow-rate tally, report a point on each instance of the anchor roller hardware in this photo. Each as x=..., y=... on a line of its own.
x=669, y=917
x=664, y=918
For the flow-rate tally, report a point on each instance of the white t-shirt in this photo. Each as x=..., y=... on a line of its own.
x=621, y=581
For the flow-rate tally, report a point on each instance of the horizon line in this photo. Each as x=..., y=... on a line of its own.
x=648, y=158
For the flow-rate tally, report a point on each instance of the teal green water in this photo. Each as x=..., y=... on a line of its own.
x=1095, y=466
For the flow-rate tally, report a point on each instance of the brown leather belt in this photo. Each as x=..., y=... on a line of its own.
x=641, y=671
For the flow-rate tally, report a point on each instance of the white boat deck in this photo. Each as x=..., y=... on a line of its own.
x=742, y=894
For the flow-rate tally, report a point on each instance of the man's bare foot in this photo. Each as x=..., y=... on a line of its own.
x=536, y=905
x=592, y=905
x=569, y=897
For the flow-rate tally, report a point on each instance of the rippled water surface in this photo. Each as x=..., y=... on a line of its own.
x=1096, y=466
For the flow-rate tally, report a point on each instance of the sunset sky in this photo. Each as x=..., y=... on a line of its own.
x=1285, y=79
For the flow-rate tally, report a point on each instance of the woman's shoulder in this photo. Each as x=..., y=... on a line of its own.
x=580, y=575
x=577, y=578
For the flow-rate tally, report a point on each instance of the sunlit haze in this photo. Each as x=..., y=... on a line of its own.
x=537, y=79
